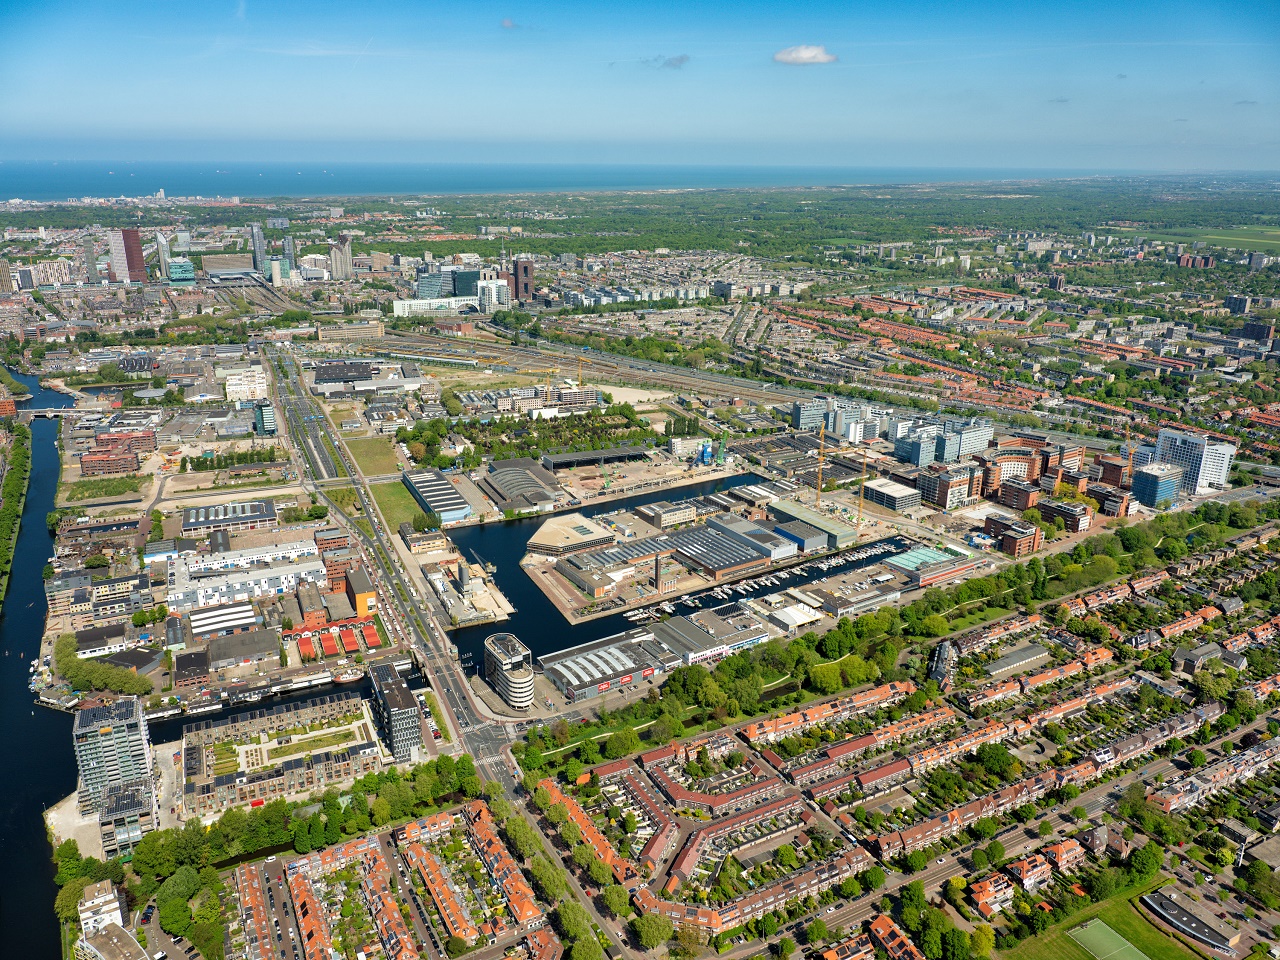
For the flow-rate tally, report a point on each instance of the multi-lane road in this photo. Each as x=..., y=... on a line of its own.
x=475, y=731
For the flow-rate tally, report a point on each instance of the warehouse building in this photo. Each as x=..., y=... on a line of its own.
x=807, y=538
x=435, y=494
x=839, y=534
x=610, y=663
x=587, y=458
x=253, y=646
x=232, y=517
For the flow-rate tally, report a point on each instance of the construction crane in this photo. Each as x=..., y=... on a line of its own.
x=548, y=371
x=1129, y=445
x=862, y=494
x=822, y=436
x=581, y=361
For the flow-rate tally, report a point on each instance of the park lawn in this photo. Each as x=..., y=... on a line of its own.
x=374, y=455
x=1117, y=913
x=96, y=487
x=396, y=503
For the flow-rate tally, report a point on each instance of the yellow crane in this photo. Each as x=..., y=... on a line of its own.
x=822, y=436
x=862, y=490
x=1129, y=445
x=548, y=371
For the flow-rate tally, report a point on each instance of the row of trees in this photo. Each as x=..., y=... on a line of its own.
x=13, y=494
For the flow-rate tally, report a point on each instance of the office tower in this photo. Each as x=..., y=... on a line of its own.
x=432, y=286
x=89, y=260
x=6, y=278
x=289, y=253
x=398, y=712
x=127, y=262
x=1206, y=463
x=464, y=283
x=259, y=247
x=112, y=747
x=277, y=223
x=1157, y=484
x=340, y=267
x=522, y=273
x=162, y=253
x=1257, y=261
x=508, y=666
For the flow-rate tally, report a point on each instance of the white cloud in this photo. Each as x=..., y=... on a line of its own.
x=805, y=55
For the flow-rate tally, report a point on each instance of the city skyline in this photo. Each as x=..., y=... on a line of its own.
x=1174, y=86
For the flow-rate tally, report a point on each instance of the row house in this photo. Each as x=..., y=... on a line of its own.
x=665, y=831
x=716, y=803
x=754, y=904
x=623, y=869
x=483, y=832
x=832, y=711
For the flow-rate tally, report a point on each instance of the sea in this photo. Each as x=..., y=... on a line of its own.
x=53, y=180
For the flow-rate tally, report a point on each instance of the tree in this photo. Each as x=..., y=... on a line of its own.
x=979, y=858
x=1196, y=758
x=651, y=930
x=784, y=948
x=571, y=833
x=995, y=851
x=1045, y=828
x=572, y=920
x=616, y=900
x=557, y=814
x=65, y=905
x=916, y=861
x=621, y=743
x=599, y=871
x=817, y=931
x=983, y=941
x=872, y=878
x=548, y=879
x=588, y=948
x=825, y=678
x=785, y=856
x=1146, y=860
x=455, y=946
x=956, y=945
x=935, y=625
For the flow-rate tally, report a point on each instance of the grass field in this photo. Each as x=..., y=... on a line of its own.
x=96, y=487
x=1104, y=943
x=1253, y=238
x=1056, y=943
x=396, y=503
x=374, y=455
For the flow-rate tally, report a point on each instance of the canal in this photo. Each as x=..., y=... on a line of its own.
x=36, y=760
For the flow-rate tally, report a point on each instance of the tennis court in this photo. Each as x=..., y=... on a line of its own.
x=1104, y=943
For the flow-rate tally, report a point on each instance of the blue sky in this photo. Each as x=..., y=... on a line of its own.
x=1084, y=85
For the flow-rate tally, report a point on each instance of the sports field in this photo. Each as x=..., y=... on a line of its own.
x=1104, y=943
